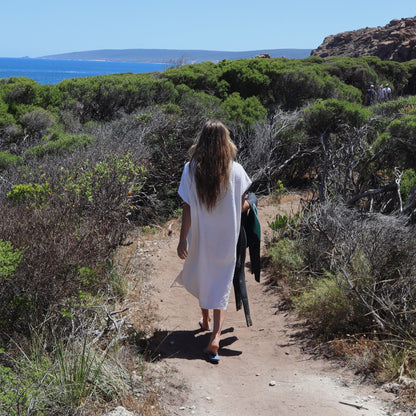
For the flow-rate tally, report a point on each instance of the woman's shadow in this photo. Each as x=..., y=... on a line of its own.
x=188, y=345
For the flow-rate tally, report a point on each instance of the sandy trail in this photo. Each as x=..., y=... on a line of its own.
x=252, y=359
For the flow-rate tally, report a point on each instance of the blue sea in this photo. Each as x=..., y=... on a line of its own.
x=53, y=71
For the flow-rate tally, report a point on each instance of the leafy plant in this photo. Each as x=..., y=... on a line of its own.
x=34, y=194
x=328, y=305
x=7, y=159
x=9, y=259
x=407, y=183
x=246, y=111
x=286, y=258
x=284, y=222
x=59, y=143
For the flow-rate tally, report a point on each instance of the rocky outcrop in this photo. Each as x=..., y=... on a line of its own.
x=264, y=55
x=396, y=41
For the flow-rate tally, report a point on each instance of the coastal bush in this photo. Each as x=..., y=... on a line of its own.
x=245, y=78
x=103, y=98
x=329, y=307
x=244, y=111
x=353, y=71
x=105, y=188
x=288, y=83
x=411, y=86
x=347, y=272
x=36, y=122
x=200, y=77
x=373, y=257
x=19, y=90
x=9, y=259
x=6, y=119
x=287, y=260
x=326, y=116
x=396, y=73
x=66, y=228
x=393, y=108
x=59, y=143
x=198, y=105
x=363, y=71
x=407, y=183
x=32, y=194
x=398, y=142
x=20, y=393
x=7, y=159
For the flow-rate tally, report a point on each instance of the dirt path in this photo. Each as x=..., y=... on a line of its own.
x=263, y=370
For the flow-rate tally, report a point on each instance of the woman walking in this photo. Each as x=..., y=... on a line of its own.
x=213, y=189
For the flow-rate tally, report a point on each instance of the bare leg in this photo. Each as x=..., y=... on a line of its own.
x=214, y=343
x=205, y=319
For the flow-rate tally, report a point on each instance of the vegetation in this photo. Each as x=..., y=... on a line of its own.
x=83, y=161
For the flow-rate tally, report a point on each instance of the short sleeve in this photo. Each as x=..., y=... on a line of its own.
x=244, y=179
x=184, y=186
x=245, y=182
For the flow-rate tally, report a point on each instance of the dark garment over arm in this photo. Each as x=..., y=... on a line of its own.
x=249, y=236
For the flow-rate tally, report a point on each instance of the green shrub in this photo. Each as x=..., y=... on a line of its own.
x=328, y=305
x=245, y=77
x=104, y=185
x=19, y=90
x=101, y=98
x=6, y=119
x=391, y=108
x=407, y=183
x=59, y=143
x=198, y=104
x=36, y=121
x=20, y=392
x=352, y=71
x=245, y=111
x=9, y=259
x=200, y=77
x=282, y=222
x=328, y=115
x=34, y=194
x=7, y=159
x=398, y=142
x=286, y=258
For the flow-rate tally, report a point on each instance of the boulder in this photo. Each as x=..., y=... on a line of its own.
x=119, y=411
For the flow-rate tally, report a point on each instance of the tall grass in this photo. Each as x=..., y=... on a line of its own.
x=61, y=381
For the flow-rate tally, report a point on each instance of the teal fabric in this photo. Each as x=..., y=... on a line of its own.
x=256, y=227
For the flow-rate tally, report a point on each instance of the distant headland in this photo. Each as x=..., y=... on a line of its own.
x=170, y=56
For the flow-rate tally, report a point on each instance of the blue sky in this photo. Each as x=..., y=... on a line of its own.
x=45, y=27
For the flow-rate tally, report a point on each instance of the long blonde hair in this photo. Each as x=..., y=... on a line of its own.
x=211, y=157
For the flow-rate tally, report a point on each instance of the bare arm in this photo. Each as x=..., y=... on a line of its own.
x=182, y=249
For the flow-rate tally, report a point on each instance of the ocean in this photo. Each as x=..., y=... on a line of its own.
x=53, y=71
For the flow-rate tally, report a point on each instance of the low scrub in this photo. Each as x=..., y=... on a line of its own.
x=59, y=143
x=374, y=256
x=68, y=231
x=328, y=304
x=351, y=273
x=8, y=160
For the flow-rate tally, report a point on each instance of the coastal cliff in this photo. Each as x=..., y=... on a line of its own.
x=395, y=42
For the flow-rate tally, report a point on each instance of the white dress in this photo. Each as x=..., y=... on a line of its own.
x=212, y=239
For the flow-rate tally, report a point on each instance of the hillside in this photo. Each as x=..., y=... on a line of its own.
x=394, y=42
x=174, y=55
